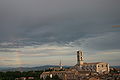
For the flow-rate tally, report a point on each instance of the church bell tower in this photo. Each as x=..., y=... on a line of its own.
x=79, y=57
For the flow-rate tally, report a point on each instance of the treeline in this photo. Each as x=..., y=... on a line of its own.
x=115, y=71
x=10, y=75
x=53, y=78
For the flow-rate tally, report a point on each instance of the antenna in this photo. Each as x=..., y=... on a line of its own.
x=60, y=65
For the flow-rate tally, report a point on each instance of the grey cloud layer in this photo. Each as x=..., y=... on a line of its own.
x=28, y=22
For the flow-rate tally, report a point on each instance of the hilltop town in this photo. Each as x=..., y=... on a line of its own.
x=81, y=71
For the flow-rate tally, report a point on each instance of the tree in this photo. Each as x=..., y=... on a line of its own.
x=48, y=78
x=55, y=77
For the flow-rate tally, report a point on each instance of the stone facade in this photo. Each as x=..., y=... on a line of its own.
x=69, y=75
x=100, y=67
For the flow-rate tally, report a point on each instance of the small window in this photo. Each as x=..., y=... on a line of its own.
x=102, y=66
x=106, y=65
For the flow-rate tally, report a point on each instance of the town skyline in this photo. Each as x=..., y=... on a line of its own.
x=34, y=33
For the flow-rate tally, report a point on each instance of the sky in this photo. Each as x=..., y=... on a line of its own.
x=43, y=32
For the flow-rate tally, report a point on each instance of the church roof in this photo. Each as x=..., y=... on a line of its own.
x=93, y=63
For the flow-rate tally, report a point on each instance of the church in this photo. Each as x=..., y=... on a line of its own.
x=99, y=67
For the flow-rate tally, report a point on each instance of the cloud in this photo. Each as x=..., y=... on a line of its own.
x=6, y=59
x=53, y=28
x=107, y=41
x=43, y=21
x=51, y=49
x=8, y=50
x=106, y=56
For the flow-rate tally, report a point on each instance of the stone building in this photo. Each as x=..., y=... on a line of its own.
x=100, y=67
x=71, y=74
x=80, y=70
x=64, y=75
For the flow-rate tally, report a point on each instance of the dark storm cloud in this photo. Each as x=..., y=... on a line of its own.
x=99, y=42
x=108, y=41
x=28, y=22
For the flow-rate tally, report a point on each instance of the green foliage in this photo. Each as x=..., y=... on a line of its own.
x=10, y=75
x=53, y=78
x=48, y=78
x=114, y=71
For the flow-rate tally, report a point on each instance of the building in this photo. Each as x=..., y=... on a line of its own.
x=80, y=71
x=64, y=75
x=100, y=67
x=94, y=78
x=69, y=74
